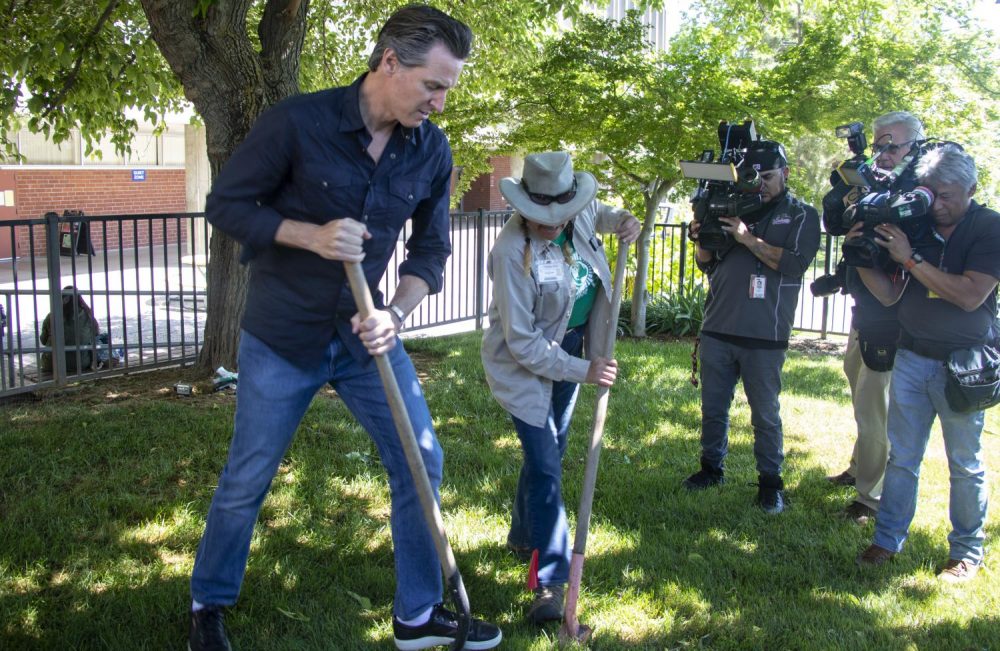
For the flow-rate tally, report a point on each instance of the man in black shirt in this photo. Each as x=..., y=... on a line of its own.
x=324, y=179
x=753, y=291
x=947, y=301
x=872, y=341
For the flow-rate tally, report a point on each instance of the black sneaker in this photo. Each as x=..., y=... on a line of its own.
x=208, y=630
x=441, y=630
x=770, y=494
x=709, y=475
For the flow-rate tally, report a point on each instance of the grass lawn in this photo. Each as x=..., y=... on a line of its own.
x=104, y=490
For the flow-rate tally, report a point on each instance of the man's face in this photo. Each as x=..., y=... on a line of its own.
x=418, y=91
x=892, y=143
x=951, y=202
x=772, y=183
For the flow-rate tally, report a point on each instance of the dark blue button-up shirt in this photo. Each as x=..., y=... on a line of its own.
x=306, y=159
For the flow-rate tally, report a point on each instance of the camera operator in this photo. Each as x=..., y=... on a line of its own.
x=947, y=301
x=754, y=289
x=871, y=344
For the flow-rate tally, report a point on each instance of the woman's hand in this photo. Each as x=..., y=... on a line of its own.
x=628, y=229
x=602, y=371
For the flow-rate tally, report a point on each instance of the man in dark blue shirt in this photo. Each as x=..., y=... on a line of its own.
x=947, y=302
x=323, y=179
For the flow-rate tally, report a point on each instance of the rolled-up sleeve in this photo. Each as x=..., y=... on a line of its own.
x=429, y=246
x=803, y=243
x=239, y=201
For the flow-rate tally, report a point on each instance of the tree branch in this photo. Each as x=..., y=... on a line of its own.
x=71, y=78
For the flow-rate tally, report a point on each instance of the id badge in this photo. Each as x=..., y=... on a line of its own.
x=550, y=271
x=758, y=286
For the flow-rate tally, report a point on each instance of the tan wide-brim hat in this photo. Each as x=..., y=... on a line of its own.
x=549, y=173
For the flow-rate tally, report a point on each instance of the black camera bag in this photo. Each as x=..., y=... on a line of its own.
x=973, y=378
x=878, y=348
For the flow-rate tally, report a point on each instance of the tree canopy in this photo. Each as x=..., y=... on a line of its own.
x=543, y=75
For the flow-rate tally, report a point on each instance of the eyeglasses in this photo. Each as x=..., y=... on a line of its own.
x=546, y=199
x=892, y=148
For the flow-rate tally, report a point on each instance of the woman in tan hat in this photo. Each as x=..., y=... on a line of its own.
x=551, y=294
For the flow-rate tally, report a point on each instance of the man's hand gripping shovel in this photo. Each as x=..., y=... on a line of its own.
x=572, y=630
x=432, y=514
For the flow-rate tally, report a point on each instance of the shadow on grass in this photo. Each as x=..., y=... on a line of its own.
x=100, y=515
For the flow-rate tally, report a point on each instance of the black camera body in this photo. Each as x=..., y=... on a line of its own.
x=830, y=284
x=864, y=193
x=725, y=189
x=908, y=210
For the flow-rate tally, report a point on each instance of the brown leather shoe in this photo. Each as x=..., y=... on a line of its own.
x=843, y=479
x=859, y=513
x=548, y=604
x=958, y=571
x=874, y=556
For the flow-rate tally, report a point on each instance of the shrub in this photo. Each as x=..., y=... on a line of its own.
x=678, y=314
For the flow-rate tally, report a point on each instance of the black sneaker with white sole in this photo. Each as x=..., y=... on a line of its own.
x=441, y=630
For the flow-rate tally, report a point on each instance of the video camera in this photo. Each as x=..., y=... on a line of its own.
x=829, y=284
x=725, y=189
x=862, y=192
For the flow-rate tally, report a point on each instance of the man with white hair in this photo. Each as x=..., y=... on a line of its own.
x=947, y=302
x=871, y=344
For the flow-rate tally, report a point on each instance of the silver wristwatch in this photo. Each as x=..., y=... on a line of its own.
x=398, y=311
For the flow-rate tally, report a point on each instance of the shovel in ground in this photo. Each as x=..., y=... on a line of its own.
x=572, y=630
x=432, y=514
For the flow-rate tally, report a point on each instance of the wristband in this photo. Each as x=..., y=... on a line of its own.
x=398, y=311
x=911, y=262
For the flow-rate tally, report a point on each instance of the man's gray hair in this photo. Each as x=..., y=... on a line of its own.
x=947, y=164
x=908, y=120
x=414, y=29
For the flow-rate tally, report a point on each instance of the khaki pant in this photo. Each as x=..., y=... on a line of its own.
x=870, y=396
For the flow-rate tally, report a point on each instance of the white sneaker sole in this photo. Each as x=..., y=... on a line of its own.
x=429, y=642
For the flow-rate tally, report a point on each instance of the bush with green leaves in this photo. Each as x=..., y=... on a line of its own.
x=678, y=314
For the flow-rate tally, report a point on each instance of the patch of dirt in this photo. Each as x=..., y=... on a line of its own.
x=158, y=384
x=813, y=345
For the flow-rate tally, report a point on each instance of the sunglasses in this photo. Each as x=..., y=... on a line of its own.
x=891, y=148
x=546, y=199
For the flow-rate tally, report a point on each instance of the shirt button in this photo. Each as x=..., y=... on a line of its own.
x=365, y=218
x=392, y=156
x=410, y=197
x=324, y=184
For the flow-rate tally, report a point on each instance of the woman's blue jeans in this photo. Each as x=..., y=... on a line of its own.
x=272, y=398
x=539, y=517
x=916, y=396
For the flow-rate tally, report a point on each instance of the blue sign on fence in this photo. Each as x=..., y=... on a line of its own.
x=138, y=175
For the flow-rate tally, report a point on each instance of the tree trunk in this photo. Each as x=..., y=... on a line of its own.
x=230, y=84
x=651, y=200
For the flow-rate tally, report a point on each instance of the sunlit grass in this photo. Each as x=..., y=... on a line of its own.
x=102, y=505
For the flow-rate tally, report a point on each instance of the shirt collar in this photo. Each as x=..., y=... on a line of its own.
x=351, y=120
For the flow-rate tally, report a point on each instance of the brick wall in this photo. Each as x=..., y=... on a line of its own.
x=99, y=192
x=485, y=190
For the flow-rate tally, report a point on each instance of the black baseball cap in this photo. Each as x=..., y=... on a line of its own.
x=765, y=155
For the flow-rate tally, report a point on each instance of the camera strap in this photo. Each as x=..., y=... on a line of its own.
x=694, y=362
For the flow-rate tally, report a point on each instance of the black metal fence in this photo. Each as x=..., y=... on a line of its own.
x=143, y=277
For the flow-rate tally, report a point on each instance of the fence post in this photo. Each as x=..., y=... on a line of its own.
x=824, y=331
x=480, y=267
x=683, y=270
x=57, y=334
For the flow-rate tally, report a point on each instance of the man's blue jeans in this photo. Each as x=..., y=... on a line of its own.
x=539, y=517
x=722, y=365
x=916, y=395
x=272, y=398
